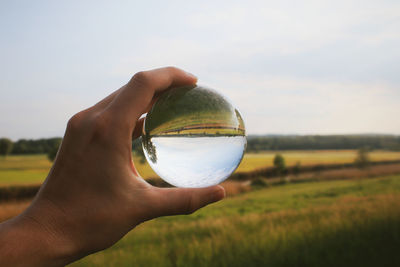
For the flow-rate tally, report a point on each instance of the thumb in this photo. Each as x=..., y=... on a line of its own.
x=173, y=201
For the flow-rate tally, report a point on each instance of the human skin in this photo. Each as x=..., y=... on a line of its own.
x=93, y=194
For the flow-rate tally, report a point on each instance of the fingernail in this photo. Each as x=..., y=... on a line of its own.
x=191, y=75
x=219, y=194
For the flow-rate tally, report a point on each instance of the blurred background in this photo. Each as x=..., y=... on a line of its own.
x=317, y=83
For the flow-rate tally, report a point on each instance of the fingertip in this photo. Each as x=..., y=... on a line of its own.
x=218, y=193
x=223, y=191
x=192, y=76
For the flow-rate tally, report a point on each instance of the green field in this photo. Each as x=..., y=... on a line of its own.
x=336, y=223
x=350, y=222
x=26, y=169
x=252, y=161
x=33, y=169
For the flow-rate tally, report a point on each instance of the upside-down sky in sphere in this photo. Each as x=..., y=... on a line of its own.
x=291, y=67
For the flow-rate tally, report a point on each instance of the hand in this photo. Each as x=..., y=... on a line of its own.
x=93, y=194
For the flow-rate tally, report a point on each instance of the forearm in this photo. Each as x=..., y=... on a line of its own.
x=24, y=242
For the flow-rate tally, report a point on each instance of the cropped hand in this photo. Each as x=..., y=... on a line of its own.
x=93, y=194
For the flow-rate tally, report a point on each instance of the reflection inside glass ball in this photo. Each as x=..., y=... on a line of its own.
x=193, y=137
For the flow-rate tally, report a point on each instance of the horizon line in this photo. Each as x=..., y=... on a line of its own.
x=253, y=134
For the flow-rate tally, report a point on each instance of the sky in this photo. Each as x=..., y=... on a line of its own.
x=290, y=67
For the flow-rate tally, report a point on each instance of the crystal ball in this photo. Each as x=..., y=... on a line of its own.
x=193, y=137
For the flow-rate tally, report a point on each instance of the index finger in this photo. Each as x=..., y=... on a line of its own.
x=137, y=95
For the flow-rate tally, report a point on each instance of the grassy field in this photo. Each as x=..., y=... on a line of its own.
x=335, y=223
x=349, y=222
x=33, y=169
x=26, y=169
x=252, y=161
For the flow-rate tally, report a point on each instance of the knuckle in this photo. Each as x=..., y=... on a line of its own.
x=100, y=126
x=100, y=122
x=89, y=126
x=141, y=78
x=172, y=69
x=75, y=122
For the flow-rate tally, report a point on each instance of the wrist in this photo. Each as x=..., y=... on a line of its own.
x=25, y=241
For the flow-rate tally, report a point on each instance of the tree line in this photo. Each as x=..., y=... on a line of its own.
x=29, y=146
x=320, y=142
x=254, y=143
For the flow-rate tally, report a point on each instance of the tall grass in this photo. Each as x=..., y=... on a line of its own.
x=336, y=223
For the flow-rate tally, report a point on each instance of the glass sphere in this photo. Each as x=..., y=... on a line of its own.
x=193, y=137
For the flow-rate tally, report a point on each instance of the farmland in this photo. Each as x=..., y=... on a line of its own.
x=311, y=224
x=330, y=218
x=33, y=169
x=26, y=169
x=330, y=223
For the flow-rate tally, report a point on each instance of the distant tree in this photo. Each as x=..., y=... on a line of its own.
x=296, y=168
x=52, y=153
x=279, y=164
x=259, y=182
x=6, y=146
x=362, y=160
